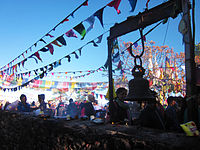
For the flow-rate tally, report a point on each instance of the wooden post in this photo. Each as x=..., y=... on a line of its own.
x=189, y=64
x=110, y=41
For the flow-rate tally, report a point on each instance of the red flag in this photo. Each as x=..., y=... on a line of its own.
x=85, y=3
x=147, y=3
x=115, y=4
x=64, y=20
x=50, y=47
x=38, y=55
x=49, y=35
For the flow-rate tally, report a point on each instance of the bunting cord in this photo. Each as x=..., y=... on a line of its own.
x=49, y=31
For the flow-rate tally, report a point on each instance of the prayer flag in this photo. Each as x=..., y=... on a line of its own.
x=81, y=30
x=90, y=20
x=115, y=4
x=38, y=55
x=99, y=15
x=49, y=35
x=43, y=41
x=50, y=47
x=56, y=43
x=71, y=33
x=133, y=4
x=61, y=40
x=99, y=38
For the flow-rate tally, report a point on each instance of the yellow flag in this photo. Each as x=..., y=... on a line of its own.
x=114, y=93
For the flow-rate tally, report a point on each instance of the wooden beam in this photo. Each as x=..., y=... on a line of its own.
x=165, y=10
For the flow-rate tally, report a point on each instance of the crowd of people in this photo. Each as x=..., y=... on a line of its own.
x=149, y=114
x=72, y=110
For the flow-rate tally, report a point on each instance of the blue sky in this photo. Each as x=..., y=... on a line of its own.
x=25, y=22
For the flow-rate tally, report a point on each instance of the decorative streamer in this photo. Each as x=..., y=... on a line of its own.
x=50, y=47
x=133, y=4
x=56, y=43
x=115, y=4
x=99, y=15
x=80, y=29
x=61, y=40
x=71, y=33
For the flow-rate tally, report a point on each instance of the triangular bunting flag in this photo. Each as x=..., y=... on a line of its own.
x=133, y=4
x=61, y=40
x=69, y=58
x=94, y=44
x=147, y=3
x=50, y=47
x=56, y=43
x=115, y=4
x=76, y=56
x=38, y=55
x=23, y=61
x=81, y=30
x=71, y=33
x=90, y=20
x=32, y=56
x=44, y=49
x=49, y=35
x=85, y=3
x=43, y=41
x=80, y=50
x=64, y=20
x=99, y=15
x=99, y=39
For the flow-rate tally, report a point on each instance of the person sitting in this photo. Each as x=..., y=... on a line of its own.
x=23, y=106
x=171, y=115
x=119, y=113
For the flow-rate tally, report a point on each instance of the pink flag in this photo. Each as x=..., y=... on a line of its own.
x=115, y=4
x=71, y=33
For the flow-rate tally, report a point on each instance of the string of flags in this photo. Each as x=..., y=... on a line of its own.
x=85, y=3
x=40, y=72
x=78, y=28
x=11, y=71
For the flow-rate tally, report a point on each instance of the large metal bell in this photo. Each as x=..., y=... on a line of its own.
x=139, y=87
